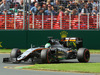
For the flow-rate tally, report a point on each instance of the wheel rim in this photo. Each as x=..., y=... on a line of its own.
x=50, y=57
x=86, y=55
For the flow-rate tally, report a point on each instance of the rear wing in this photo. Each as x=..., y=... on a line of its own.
x=73, y=42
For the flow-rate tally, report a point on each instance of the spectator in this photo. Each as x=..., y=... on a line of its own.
x=44, y=6
x=95, y=11
x=80, y=5
x=61, y=13
x=48, y=2
x=4, y=7
x=41, y=11
x=59, y=17
x=38, y=9
x=21, y=4
x=67, y=9
x=65, y=3
x=34, y=9
x=85, y=1
x=90, y=6
x=16, y=1
x=74, y=12
x=20, y=12
x=33, y=3
x=76, y=5
x=72, y=5
x=16, y=4
x=56, y=5
x=85, y=10
x=95, y=3
x=0, y=2
x=66, y=13
x=11, y=11
x=49, y=11
x=53, y=10
x=9, y=2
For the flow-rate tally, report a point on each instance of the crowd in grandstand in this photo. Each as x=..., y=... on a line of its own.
x=49, y=7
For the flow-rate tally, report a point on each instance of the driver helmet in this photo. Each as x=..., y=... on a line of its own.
x=47, y=45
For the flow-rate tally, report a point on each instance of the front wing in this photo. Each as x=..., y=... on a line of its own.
x=22, y=56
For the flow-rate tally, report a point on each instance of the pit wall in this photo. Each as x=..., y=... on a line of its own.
x=24, y=39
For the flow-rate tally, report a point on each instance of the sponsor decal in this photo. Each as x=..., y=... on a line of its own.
x=72, y=44
x=63, y=34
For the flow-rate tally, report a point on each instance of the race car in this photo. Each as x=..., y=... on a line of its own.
x=53, y=51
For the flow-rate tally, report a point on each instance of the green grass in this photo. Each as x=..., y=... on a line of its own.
x=94, y=51
x=9, y=50
x=67, y=67
x=23, y=50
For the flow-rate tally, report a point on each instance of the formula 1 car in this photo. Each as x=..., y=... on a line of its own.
x=53, y=51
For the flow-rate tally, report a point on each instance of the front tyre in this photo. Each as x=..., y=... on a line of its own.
x=83, y=55
x=47, y=56
x=14, y=54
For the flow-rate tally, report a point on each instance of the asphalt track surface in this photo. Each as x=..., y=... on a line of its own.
x=5, y=71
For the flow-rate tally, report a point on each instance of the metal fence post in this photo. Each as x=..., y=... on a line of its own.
x=28, y=26
x=42, y=20
x=24, y=23
x=69, y=20
x=88, y=21
x=79, y=21
x=5, y=21
x=51, y=20
x=97, y=22
x=99, y=13
x=60, y=21
x=29, y=15
x=33, y=20
x=14, y=21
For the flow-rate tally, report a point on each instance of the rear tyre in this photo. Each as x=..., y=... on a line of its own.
x=83, y=55
x=14, y=54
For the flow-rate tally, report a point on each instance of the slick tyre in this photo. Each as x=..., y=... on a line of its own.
x=44, y=54
x=14, y=54
x=83, y=55
x=47, y=56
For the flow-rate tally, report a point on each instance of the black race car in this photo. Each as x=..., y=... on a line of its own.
x=54, y=51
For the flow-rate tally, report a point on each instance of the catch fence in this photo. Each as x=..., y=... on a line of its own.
x=51, y=22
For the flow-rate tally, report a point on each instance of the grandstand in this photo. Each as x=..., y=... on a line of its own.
x=49, y=14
